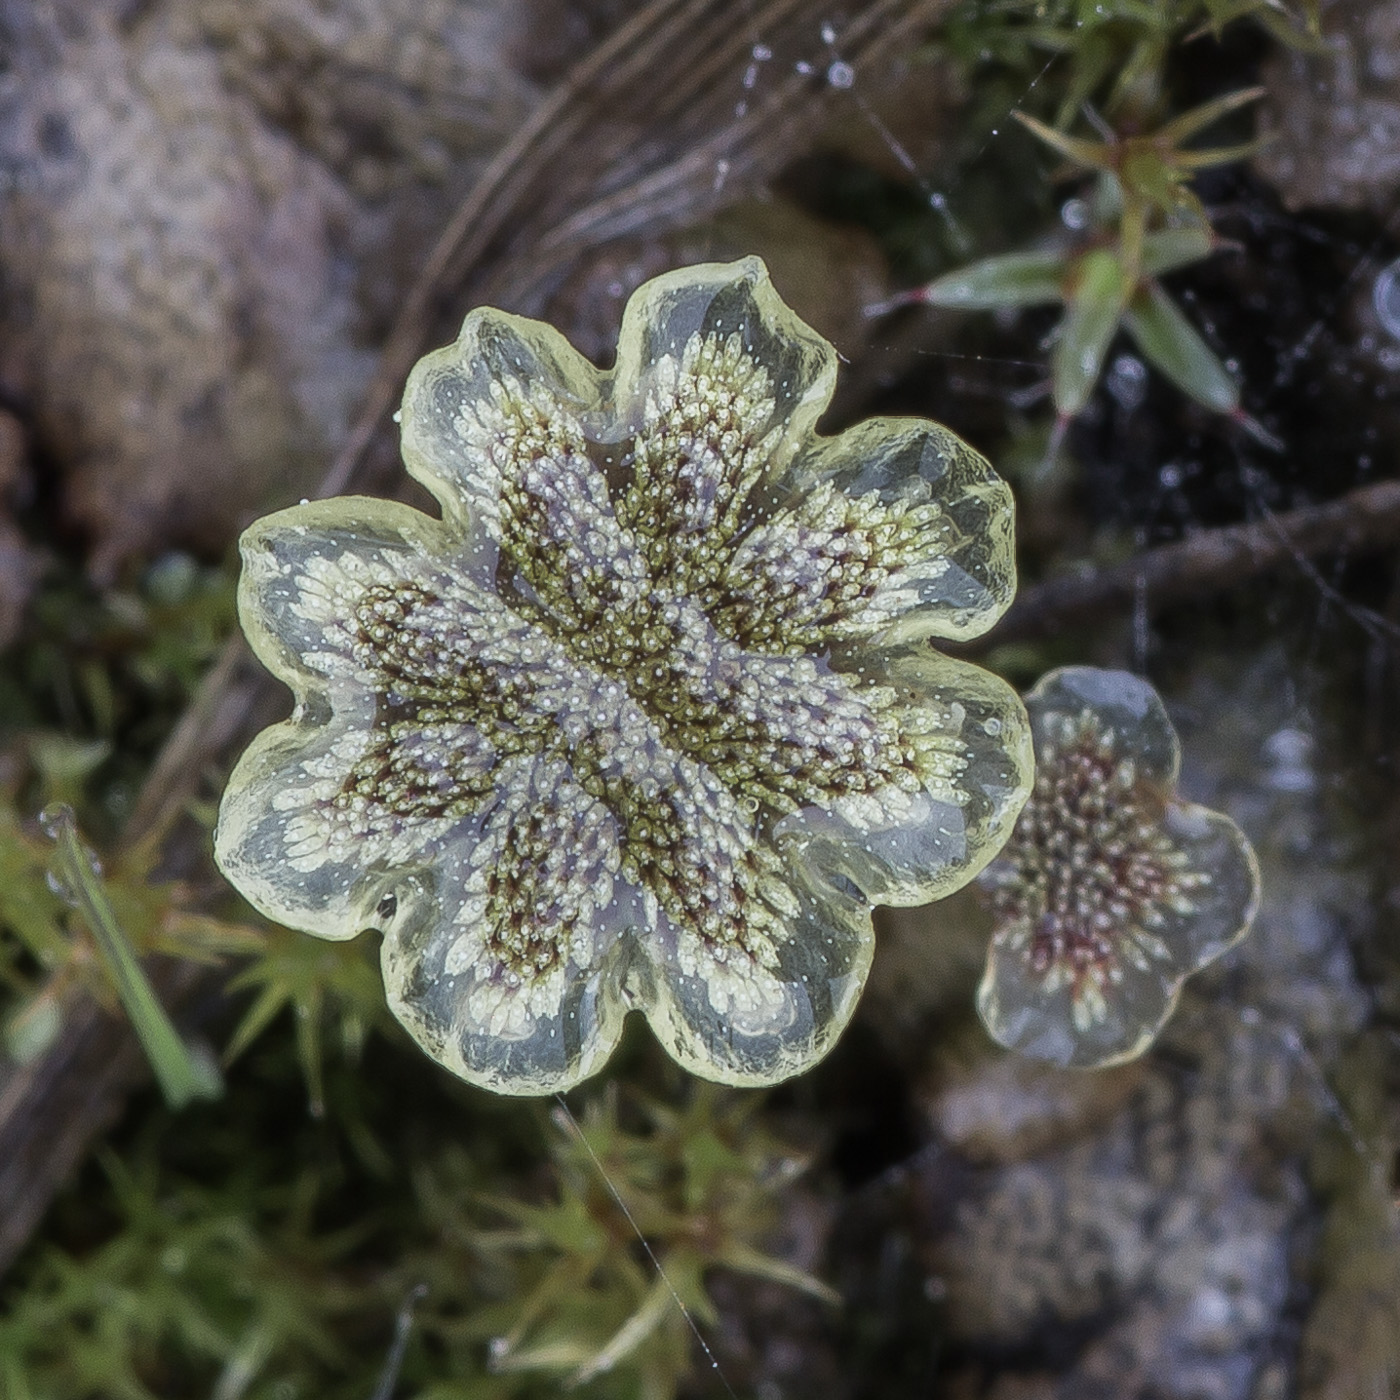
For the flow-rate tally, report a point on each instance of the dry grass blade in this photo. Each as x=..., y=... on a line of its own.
x=632, y=140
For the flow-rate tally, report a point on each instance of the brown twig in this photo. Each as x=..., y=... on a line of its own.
x=1208, y=562
x=52, y=1109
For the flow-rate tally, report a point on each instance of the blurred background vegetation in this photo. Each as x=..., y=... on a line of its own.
x=1141, y=254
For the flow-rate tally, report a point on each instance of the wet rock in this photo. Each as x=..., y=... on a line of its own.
x=386, y=93
x=19, y=564
x=1333, y=119
x=181, y=238
x=1152, y=1255
x=1008, y=1108
x=1154, y=1231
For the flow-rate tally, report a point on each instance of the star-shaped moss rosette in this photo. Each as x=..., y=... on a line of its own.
x=647, y=720
x=1112, y=891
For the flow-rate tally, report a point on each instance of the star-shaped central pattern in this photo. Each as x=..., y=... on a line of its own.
x=613, y=733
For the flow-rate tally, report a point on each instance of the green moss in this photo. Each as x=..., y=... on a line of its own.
x=256, y=1252
x=97, y=679
x=1110, y=52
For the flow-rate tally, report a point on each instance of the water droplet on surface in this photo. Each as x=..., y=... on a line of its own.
x=1127, y=382
x=32, y=1030
x=1074, y=213
x=60, y=888
x=172, y=578
x=841, y=75
x=55, y=819
x=1386, y=297
x=1288, y=754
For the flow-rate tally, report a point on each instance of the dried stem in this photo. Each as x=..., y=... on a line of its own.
x=1211, y=561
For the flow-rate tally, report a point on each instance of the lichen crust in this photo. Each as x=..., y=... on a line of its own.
x=1112, y=890
x=649, y=719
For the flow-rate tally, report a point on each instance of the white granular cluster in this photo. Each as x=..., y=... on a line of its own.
x=831, y=568
x=645, y=720
x=629, y=701
x=706, y=442
x=542, y=870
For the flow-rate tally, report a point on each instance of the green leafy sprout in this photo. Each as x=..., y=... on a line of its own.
x=77, y=878
x=1145, y=222
x=699, y=1184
